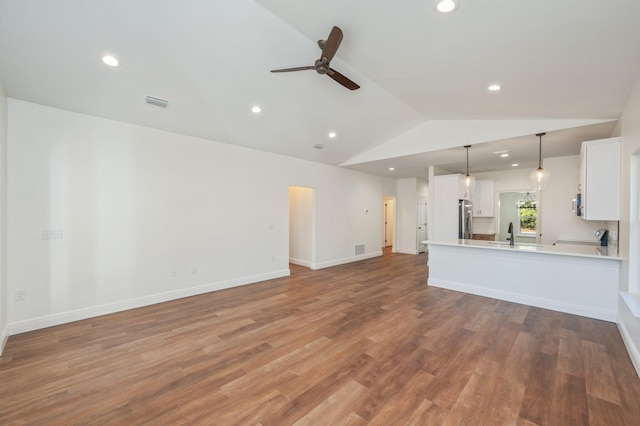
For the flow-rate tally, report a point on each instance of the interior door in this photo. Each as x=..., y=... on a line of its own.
x=388, y=223
x=422, y=224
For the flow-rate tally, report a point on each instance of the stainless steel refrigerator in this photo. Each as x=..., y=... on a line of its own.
x=465, y=219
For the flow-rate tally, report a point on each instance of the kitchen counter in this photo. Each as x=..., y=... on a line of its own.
x=579, y=250
x=572, y=278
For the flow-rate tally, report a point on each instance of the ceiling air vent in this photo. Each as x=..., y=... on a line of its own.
x=156, y=101
x=318, y=146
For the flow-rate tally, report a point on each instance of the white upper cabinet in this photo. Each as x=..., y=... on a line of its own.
x=483, y=199
x=600, y=179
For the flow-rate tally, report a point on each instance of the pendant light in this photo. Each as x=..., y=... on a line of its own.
x=469, y=182
x=528, y=202
x=539, y=177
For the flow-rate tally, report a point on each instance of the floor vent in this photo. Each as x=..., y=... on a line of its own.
x=359, y=249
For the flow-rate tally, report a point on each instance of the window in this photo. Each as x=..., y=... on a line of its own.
x=528, y=214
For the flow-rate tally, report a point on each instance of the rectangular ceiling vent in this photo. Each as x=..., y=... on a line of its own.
x=156, y=101
x=318, y=146
x=359, y=249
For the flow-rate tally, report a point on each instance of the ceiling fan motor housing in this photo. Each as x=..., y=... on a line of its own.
x=322, y=66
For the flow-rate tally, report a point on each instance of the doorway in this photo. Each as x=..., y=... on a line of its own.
x=388, y=217
x=519, y=208
x=302, y=230
x=422, y=224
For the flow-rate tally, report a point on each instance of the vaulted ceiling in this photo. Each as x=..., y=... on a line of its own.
x=565, y=67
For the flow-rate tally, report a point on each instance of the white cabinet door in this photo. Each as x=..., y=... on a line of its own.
x=483, y=198
x=600, y=176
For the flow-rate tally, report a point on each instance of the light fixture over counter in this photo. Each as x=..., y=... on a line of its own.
x=468, y=184
x=539, y=177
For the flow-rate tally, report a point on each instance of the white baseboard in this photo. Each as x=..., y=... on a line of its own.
x=632, y=349
x=337, y=262
x=406, y=251
x=300, y=262
x=109, y=308
x=4, y=335
x=584, y=311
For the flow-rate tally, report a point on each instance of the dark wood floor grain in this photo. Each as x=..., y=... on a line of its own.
x=364, y=343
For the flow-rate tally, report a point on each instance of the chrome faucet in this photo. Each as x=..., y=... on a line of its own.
x=510, y=231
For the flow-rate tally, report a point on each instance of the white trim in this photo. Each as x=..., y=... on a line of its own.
x=109, y=308
x=4, y=335
x=632, y=349
x=407, y=251
x=300, y=262
x=633, y=302
x=342, y=261
x=527, y=300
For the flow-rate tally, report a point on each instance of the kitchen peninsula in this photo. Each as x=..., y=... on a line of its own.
x=571, y=278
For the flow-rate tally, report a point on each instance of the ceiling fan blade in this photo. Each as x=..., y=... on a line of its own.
x=342, y=79
x=310, y=67
x=331, y=45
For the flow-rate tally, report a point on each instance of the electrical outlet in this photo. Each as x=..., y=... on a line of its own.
x=194, y=270
x=20, y=295
x=173, y=272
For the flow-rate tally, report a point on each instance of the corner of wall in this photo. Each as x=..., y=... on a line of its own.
x=4, y=335
x=627, y=339
x=4, y=330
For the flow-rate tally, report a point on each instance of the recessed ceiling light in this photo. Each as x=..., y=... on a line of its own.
x=446, y=6
x=256, y=109
x=505, y=155
x=494, y=87
x=515, y=165
x=391, y=169
x=110, y=60
x=332, y=135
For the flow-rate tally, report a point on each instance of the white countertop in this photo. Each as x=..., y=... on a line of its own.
x=578, y=250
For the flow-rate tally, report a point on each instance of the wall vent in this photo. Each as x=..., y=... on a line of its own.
x=359, y=249
x=156, y=101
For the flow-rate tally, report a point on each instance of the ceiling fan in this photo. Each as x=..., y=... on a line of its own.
x=321, y=66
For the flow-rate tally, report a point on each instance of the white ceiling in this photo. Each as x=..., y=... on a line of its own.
x=573, y=59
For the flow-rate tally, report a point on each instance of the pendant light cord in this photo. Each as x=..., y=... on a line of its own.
x=467, y=147
x=539, y=153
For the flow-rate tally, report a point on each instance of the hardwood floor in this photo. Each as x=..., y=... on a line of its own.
x=365, y=343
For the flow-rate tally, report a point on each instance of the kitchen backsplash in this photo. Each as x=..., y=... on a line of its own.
x=484, y=225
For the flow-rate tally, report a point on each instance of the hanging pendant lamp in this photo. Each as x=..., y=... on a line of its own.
x=469, y=182
x=539, y=177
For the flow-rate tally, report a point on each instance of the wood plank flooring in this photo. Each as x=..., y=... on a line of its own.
x=364, y=343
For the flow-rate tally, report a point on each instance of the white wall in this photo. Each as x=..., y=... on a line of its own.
x=558, y=221
x=301, y=218
x=407, y=216
x=628, y=318
x=134, y=203
x=4, y=329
